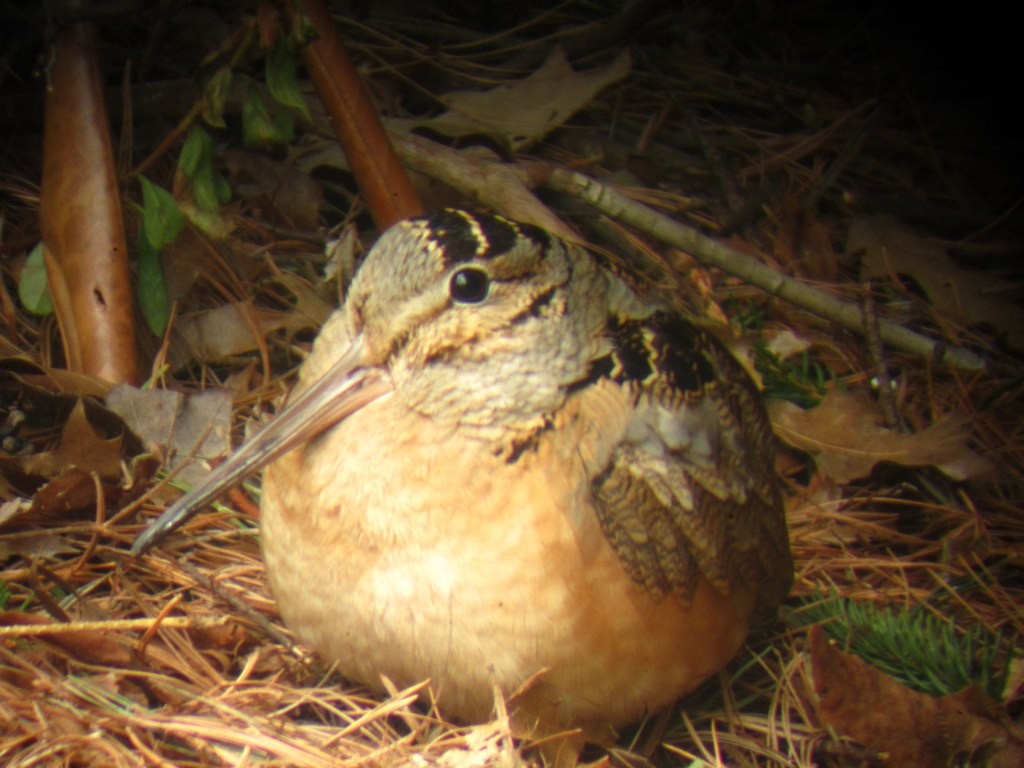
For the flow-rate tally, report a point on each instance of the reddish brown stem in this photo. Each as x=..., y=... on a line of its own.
x=382, y=180
x=80, y=216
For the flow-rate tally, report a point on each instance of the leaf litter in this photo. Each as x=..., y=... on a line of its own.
x=713, y=130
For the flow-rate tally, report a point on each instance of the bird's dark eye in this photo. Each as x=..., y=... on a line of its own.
x=470, y=285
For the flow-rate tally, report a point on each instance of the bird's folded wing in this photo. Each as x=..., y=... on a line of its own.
x=690, y=489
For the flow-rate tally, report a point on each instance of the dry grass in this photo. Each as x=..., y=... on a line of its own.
x=207, y=674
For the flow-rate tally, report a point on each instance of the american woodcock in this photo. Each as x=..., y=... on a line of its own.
x=501, y=469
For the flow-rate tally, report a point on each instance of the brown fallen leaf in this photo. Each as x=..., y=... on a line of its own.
x=81, y=446
x=197, y=426
x=311, y=310
x=39, y=545
x=909, y=728
x=283, y=193
x=214, y=335
x=891, y=247
x=804, y=243
x=93, y=447
x=71, y=491
x=846, y=437
x=51, y=381
x=521, y=112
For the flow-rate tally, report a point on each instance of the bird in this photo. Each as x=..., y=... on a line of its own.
x=506, y=471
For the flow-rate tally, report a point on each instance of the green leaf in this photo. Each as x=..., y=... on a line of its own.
x=152, y=286
x=161, y=219
x=209, y=221
x=223, y=189
x=282, y=80
x=196, y=152
x=215, y=96
x=33, y=289
x=301, y=30
x=284, y=127
x=259, y=129
x=205, y=189
x=254, y=118
x=209, y=189
x=801, y=383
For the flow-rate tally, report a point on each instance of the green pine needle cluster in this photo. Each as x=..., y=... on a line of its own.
x=800, y=381
x=923, y=651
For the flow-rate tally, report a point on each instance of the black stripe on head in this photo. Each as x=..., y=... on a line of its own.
x=541, y=237
x=501, y=234
x=464, y=236
x=456, y=236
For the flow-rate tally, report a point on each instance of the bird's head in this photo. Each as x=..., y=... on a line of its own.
x=472, y=319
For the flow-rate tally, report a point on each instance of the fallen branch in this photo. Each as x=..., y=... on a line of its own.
x=710, y=251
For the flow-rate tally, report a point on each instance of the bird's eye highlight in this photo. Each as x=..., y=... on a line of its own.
x=469, y=285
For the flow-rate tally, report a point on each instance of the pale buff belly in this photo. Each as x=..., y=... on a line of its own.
x=412, y=554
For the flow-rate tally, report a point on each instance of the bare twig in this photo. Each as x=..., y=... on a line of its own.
x=885, y=396
x=617, y=205
x=498, y=185
x=239, y=606
x=113, y=625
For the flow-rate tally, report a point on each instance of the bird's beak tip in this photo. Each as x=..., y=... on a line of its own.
x=343, y=389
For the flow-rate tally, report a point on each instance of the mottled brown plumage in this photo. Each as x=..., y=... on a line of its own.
x=531, y=477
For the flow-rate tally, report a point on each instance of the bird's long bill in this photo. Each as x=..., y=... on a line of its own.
x=341, y=391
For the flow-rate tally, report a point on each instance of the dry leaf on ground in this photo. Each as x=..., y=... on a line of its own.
x=845, y=436
x=280, y=191
x=215, y=335
x=187, y=427
x=542, y=101
x=891, y=247
x=804, y=242
x=786, y=344
x=86, y=464
x=44, y=382
x=82, y=446
x=910, y=728
x=311, y=311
